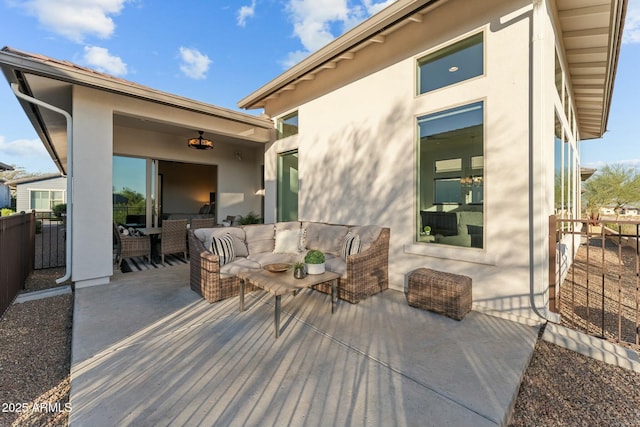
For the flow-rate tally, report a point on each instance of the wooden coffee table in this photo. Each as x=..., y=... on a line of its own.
x=282, y=283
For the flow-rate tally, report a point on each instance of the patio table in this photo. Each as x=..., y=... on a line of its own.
x=154, y=234
x=280, y=283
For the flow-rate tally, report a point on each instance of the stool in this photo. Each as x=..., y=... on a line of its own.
x=440, y=292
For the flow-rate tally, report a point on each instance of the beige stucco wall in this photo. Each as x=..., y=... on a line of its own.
x=96, y=140
x=357, y=146
x=91, y=228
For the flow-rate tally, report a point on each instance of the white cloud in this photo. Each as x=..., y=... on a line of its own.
x=318, y=22
x=373, y=8
x=76, y=19
x=632, y=23
x=194, y=64
x=246, y=12
x=100, y=59
x=29, y=154
x=293, y=58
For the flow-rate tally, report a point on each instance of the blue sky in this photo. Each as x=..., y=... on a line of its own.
x=220, y=51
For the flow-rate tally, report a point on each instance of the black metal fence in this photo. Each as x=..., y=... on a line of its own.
x=17, y=243
x=50, y=240
x=597, y=264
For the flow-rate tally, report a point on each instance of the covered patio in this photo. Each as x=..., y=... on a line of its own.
x=148, y=351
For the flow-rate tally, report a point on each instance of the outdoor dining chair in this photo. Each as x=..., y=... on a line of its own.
x=202, y=223
x=173, y=238
x=131, y=246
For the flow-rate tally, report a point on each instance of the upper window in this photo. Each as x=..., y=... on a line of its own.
x=288, y=125
x=460, y=61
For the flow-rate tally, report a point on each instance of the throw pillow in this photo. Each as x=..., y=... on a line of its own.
x=287, y=242
x=223, y=247
x=351, y=245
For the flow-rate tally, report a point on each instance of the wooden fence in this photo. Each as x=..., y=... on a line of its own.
x=17, y=246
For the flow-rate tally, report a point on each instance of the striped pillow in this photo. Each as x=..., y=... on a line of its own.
x=223, y=247
x=351, y=245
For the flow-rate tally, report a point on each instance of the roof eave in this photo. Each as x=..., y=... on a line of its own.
x=17, y=61
x=389, y=16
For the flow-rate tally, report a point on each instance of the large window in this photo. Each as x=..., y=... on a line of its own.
x=45, y=200
x=460, y=61
x=288, y=125
x=287, y=186
x=451, y=177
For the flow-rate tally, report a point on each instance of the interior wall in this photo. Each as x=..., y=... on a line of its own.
x=186, y=186
x=238, y=167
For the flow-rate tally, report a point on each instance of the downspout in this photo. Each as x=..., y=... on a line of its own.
x=537, y=181
x=67, y=116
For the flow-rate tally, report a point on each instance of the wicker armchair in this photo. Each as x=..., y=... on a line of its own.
x=367, y=272
x=173, y=238
x=130, y=246
x=202, y=223
x=205, y=275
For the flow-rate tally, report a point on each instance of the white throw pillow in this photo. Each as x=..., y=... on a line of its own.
x=287, y=242
x=351, y=245
x=223, y=247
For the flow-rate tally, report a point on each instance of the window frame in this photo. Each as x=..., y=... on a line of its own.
x=451, y=174
x=421, y=59
x=51, y=200
x=280, y=121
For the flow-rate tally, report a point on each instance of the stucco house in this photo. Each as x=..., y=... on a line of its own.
x=39, y=193
x=462, y=117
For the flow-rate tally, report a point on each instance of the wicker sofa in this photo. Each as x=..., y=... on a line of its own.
x=362, y=274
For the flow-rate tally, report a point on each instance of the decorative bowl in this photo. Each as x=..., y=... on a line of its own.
x=276, y=268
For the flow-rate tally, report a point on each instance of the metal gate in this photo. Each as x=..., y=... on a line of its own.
x=50, y=242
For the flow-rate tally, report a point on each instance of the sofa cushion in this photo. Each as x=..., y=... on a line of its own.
x=239, y=246
x=260, y=238
x=288, y=225
x=368, y=234
x=239, y=265
x=336, y=264
x=287, y=242
x=324, y=237
x=265, y=258
x=350, y=245
x=223, y=247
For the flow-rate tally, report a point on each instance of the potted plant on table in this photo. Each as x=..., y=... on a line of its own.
x=298, y=270
x=427, y=230
x=315, y=262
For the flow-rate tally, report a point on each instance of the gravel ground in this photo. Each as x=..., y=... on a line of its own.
x=559, y=388
x=35, y=357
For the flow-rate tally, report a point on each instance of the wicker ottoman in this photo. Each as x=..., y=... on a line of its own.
x=444, y=293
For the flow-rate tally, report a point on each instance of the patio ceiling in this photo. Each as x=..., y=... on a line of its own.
x=52, y=81
x=591, y=33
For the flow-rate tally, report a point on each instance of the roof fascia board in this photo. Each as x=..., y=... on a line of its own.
x=389, y=16
x=76, y=76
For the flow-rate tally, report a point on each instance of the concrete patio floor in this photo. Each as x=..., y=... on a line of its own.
x=148, y=351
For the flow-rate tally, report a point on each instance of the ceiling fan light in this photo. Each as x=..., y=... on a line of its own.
x=200, y=143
